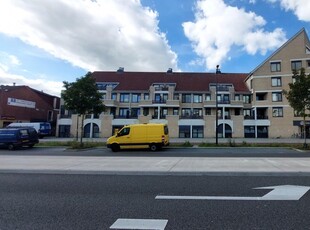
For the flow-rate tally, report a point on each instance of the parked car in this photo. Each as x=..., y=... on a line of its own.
x=43, y=128
x=13, y=138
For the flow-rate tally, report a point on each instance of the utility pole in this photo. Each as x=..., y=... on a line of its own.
x=218, y=71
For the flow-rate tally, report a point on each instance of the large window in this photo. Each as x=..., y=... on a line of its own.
x=197, y=132
x=296, y=65
x=275, y=66
x=277, y=112
x=124, y=97
x=246, y=98
x=124, y=112
x=186, y=112
x=276, y=81
x=135, y=97
x=186, y=98
x=197, y=112
x=277, y=96
x=197, y=98
x=114, y=96
x=249, y=131
x=184, y=131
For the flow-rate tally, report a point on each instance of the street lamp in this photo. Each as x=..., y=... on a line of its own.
x=218, y=71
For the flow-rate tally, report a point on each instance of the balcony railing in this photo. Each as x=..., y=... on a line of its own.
x=191, y=117
x=165, y=88
x=223, y=102
x=160, y=117
x=65, y=115
x=125, y=116
x=162, y=101
x=259, y=117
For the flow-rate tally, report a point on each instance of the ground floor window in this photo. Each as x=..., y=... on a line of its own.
x=249, y=131
x=91, y=130
x=64, y=131
x=197, y=131
x=188, y=131
x=184, y=131
x=262, y=131
x=225, y=131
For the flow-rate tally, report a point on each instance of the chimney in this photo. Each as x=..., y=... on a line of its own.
x=169, y=70
x=120, y=70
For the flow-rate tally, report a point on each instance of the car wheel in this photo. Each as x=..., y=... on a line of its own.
x=11, y=147
x=115, y=147
x=153, y=147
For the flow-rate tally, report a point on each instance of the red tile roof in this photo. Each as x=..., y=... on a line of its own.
x=141, y=81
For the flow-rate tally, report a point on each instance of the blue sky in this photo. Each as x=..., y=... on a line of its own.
x=43, y=43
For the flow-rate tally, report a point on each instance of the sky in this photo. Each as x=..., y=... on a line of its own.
x=43, y=43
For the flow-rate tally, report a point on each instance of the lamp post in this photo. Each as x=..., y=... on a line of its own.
x=218, y=71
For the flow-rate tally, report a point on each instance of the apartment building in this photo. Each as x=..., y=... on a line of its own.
x=271, y=114
x=243, y=105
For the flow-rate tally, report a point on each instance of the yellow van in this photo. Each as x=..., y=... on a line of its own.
x=153, y=136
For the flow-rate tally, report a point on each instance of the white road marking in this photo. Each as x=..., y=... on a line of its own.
x=149, y=224
x=281, y=192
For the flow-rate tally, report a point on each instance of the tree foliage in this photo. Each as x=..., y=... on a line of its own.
x=299, y=92
x=83, y=97
x=298, y=95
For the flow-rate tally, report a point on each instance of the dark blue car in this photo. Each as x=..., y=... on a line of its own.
x=13, y=138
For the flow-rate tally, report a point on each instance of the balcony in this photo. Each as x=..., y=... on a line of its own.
x=259, y=117
x=162, y=101
x=223, y=102
x=110, y=102
x=160, y=117
x=125, y=117
x=65, y=116
x=191, y=117
x=164, y=88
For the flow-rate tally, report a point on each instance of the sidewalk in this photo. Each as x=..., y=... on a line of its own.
x=199, y=140
x=129, y=165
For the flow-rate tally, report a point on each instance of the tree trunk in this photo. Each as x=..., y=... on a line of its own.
x=305, y=138
x=82, y=130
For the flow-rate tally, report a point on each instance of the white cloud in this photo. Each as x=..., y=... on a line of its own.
x=7, y=61
x=219, y=27
x=300, y=8
x=94, y=35
x=41, y=83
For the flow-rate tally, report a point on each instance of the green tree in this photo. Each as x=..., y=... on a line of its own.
x=83, y=97
x=299, y=96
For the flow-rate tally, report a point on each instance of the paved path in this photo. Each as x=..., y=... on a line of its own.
x=155, y=165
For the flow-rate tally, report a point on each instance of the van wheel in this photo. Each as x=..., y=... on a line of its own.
x=11, y=147
x=153, y=147
x=115, y=147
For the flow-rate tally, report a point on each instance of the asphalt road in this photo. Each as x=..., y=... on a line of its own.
x=167, y=152
x=39, y=201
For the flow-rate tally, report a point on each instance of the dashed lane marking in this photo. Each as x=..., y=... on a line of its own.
x=149, y=224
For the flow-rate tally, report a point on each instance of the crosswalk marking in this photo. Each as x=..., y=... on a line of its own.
x=149, y=224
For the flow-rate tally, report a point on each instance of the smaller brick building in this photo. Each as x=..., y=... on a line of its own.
x=24, y=104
